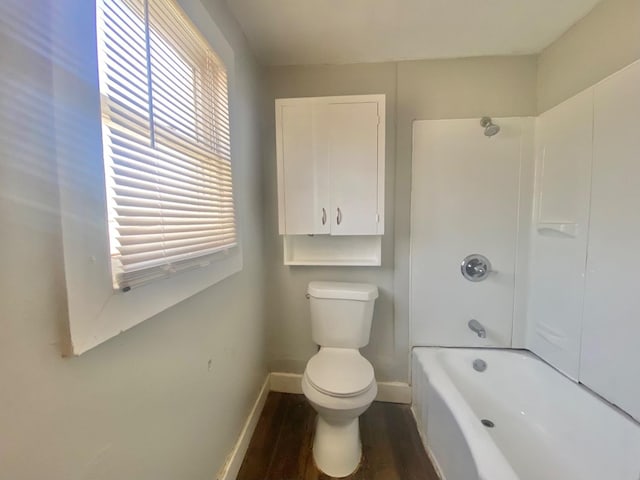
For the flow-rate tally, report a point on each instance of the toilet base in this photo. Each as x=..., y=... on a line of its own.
x=337, y=449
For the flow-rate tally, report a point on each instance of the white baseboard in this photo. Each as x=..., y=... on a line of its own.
x=235, y=458
x=393, y=392
x=285, y=382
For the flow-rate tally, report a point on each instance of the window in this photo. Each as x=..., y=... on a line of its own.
x=157, y=100
x=166, y=142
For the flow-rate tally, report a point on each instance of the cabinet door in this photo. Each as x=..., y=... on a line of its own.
x=352, y=150
x=302, y=171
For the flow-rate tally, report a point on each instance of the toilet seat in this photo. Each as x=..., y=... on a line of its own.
x=339, y=372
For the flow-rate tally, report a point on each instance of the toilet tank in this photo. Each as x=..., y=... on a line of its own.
x=341, y=313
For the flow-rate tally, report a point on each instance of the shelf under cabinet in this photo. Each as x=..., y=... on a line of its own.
x=363, y=250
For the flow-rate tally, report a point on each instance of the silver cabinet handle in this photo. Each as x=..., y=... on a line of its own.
x=324, y=216
x=339, y=217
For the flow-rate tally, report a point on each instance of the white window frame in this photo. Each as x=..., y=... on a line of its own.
x=96, y=311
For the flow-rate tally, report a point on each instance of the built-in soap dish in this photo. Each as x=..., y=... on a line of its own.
x=565, y=229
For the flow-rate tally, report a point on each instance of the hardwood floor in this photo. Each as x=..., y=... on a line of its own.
x=281, y=445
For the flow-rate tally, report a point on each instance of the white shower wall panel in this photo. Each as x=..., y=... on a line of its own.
x=470, y=194
x=564, y=136
x=610, y=360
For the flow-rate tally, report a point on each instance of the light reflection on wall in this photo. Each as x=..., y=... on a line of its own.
x=49, y=123
x=26, y=114
x=49, y=110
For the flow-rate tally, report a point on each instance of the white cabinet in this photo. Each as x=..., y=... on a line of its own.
x=330, y=158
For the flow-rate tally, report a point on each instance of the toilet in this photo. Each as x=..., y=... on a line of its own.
x=338, y=381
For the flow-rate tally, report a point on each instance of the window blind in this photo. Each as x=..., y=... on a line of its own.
x=166, y=138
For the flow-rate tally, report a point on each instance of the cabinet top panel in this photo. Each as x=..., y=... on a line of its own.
x=379, y=98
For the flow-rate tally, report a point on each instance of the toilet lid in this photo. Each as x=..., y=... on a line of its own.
x=339, y=372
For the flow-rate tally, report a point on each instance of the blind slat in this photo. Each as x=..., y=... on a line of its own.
x=167, y=245
x=164, y=254
x=170, y=159
x=141, y=269
x=121, y=175
x=166, y=135
x=136, y=185
x=189, y=123
x=164, y=205
x=185, y=198
x=169, y=140
x=141, y=230
x=211, y=95
x=149, y=212
x=145, y=239
x=177, y=221
x=127, y=107
x=173, y=22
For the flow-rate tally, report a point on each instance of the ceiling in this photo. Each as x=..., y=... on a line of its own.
x=302, y=32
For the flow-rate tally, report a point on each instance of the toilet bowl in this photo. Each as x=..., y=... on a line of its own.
x=339, y=401
x=338, y=381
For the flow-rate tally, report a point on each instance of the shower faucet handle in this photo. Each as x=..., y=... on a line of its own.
x=475, y=267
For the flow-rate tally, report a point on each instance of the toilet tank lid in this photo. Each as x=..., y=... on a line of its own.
x=343, y=290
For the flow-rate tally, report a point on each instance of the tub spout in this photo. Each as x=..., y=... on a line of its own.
x=477, y=327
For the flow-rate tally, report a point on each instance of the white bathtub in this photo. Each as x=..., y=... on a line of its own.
x=546, y=426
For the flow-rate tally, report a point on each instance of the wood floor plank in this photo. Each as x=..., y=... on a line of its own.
x=310, y=470
x=281, y=447
x=306, y=445
x=260, y=452
x=410, y=457
x=377, y=444
x=291, y=450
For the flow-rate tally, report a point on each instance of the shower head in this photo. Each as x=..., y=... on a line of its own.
x=490, y=128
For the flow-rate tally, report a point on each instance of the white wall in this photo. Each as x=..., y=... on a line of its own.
x=604, y=41
x=460, y=88
x=163, y=401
